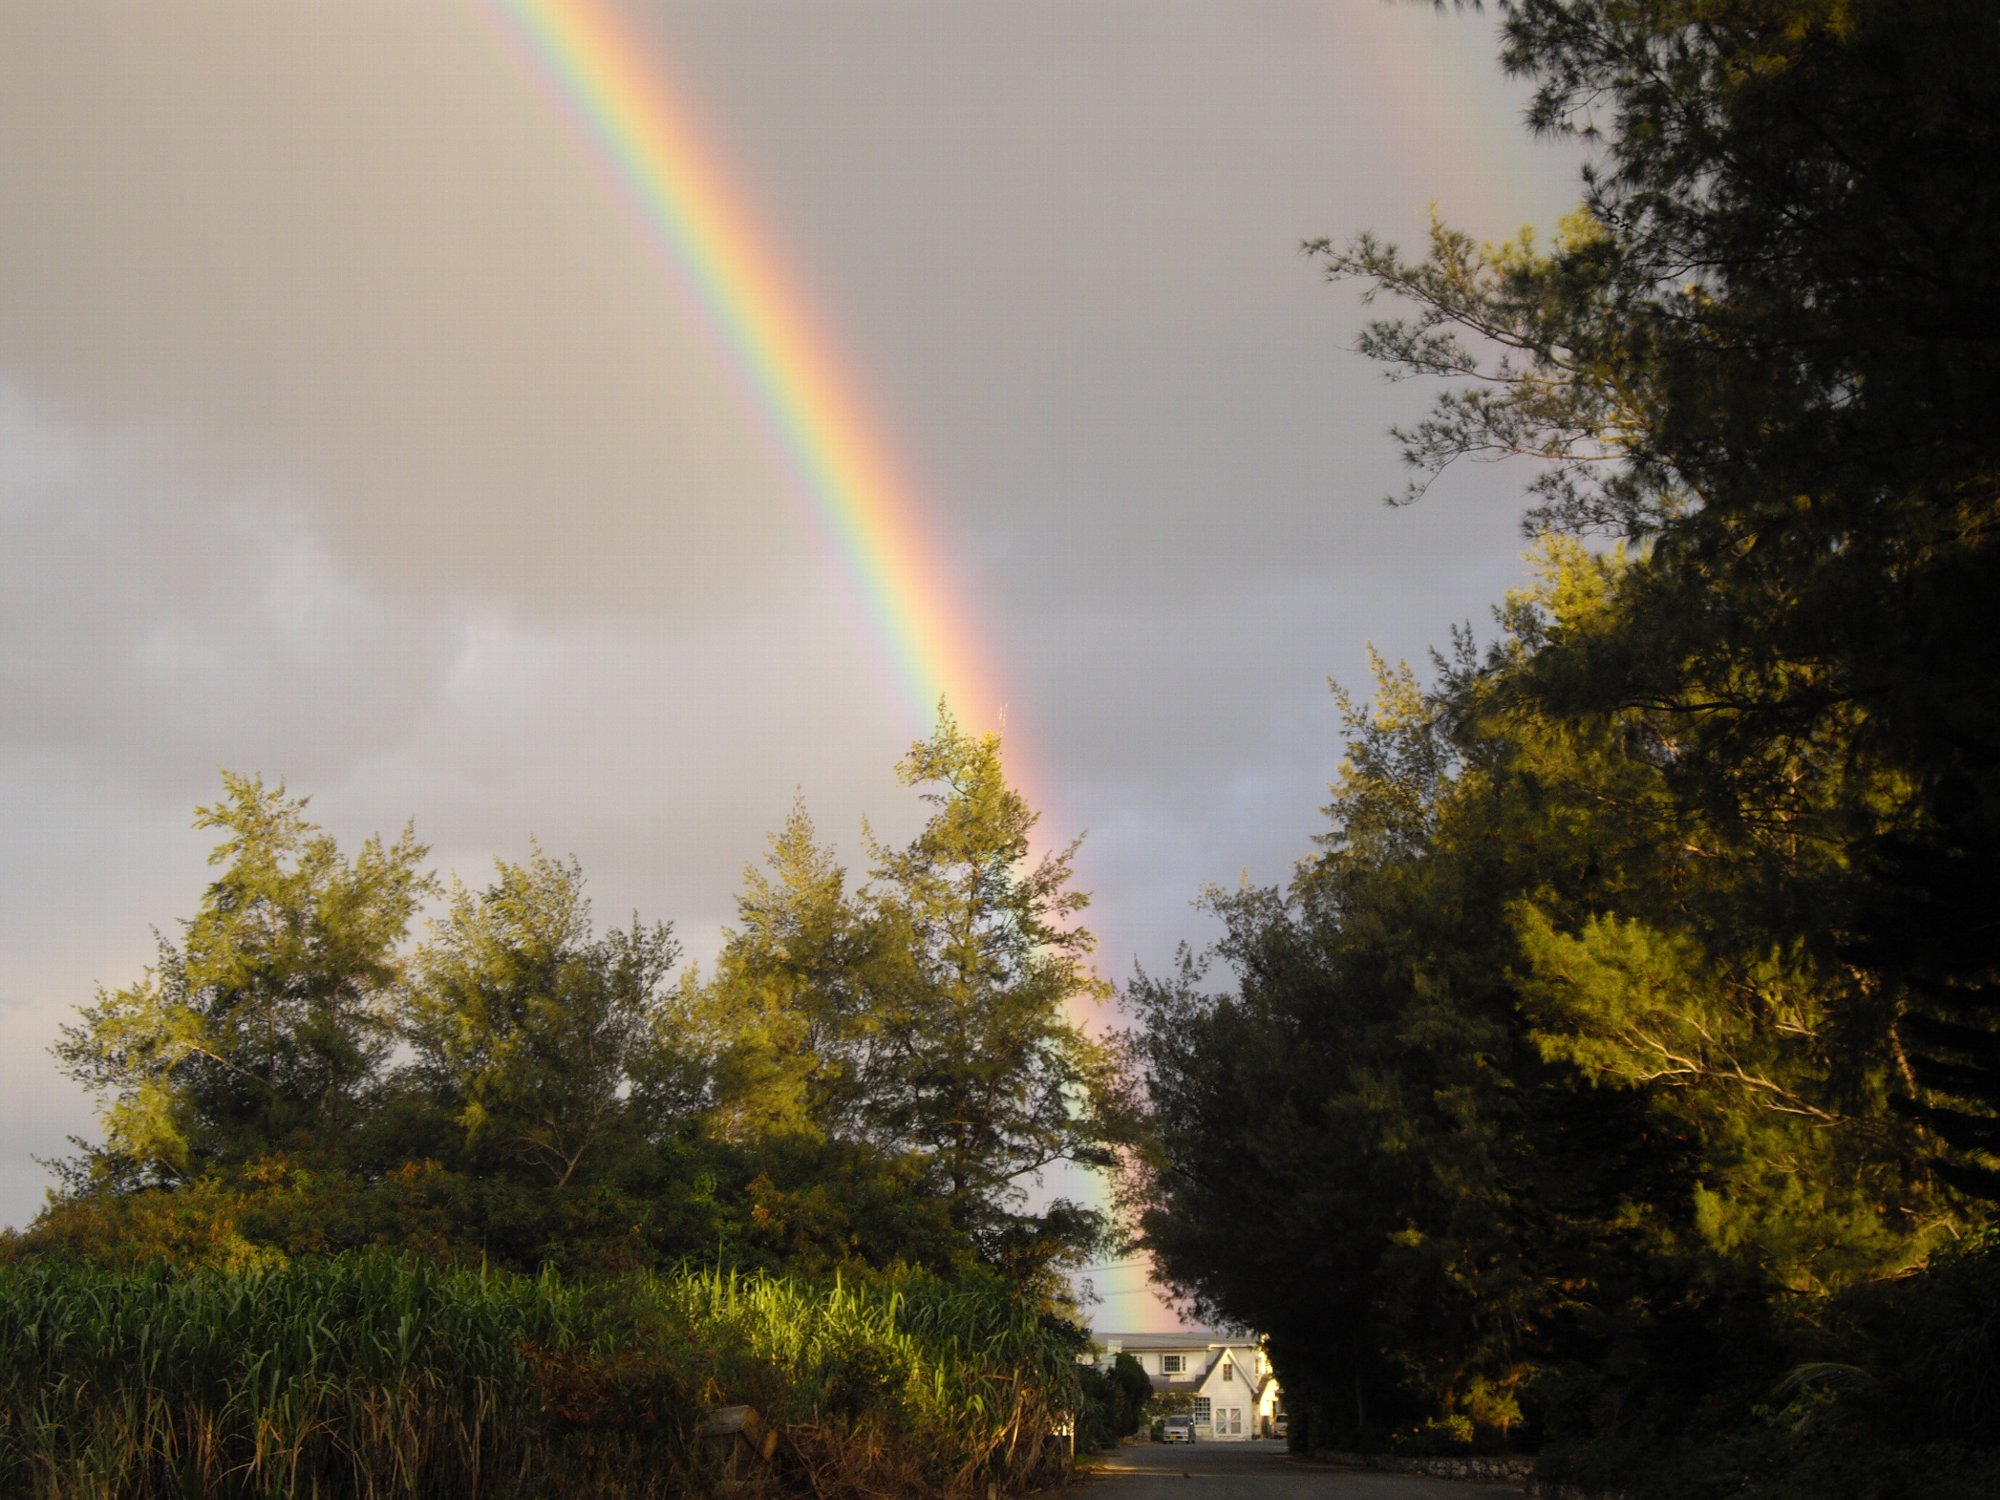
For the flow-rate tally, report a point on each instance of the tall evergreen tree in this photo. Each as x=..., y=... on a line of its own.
x=1767, y=348
x=266, y=1024
x=976, y=1059
x=786, y=1014
x=1520, y=1058
x=530, y=1028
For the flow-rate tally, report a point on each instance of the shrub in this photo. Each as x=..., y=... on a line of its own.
x=1452, y=1434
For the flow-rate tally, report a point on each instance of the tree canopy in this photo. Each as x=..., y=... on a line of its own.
x=271, y=1018
x=1640, y=1011
x=868, y=1077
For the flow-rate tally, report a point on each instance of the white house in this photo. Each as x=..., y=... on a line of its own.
x=1229, y=1376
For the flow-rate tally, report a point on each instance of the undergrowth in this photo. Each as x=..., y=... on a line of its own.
x=370, y=1376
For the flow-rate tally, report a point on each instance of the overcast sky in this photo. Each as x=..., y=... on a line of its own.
x=352, y=432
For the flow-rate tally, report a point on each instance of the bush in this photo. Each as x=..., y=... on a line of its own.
x=1440, y=1435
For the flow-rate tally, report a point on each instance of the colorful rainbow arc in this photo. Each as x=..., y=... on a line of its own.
x=615, y=87
x=603, y=74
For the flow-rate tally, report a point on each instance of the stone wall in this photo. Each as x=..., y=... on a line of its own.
x=1509, y=1469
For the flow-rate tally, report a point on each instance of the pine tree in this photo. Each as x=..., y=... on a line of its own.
x=531, y=1029
x=786, y=1014
x=976, y=1058
x=1767, y=349
x=268, y=1022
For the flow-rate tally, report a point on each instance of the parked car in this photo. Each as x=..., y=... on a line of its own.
x=1178, y=1430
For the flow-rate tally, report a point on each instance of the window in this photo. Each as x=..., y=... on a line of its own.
x=1173, y=1364
x=1201, y=1410
x=1228, y=1370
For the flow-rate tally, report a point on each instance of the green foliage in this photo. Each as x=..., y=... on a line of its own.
x=918, y=1029
x=1366, y=1094
x=1097, y=1417
x=1115, y=1402
x=814, y=1207
x=1452, y=1434
x=864, y=1085
x=1629, y=1035
x=372, y=1376
x=1132, y=1391
x=276, y=1211
x=1925, y=1351
x=1171, y=1403
x=1908, y=1404
x=1135, y=1393
x=973, y=1061
x=1764, y=347
x=788, y=1012
x=1532, y=1057
x=532, y=1032
x=268, y=1022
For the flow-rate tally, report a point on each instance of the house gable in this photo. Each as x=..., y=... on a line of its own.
x=1231, y=1391
x=1228, y=1378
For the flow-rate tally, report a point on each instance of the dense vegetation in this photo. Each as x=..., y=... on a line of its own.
x=1627, y=1062
x=370, y=1376
x=857, y=1097
x=867, y=1079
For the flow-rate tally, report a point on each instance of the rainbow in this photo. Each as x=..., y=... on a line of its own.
x=615, y=87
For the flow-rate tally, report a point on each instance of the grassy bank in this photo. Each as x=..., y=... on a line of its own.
x=372, y=1376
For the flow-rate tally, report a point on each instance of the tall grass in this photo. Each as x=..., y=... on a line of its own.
x=929, y=1388
x=373, y=1377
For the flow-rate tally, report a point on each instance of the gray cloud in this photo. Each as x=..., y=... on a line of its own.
x=148, y=629
x=352, y=244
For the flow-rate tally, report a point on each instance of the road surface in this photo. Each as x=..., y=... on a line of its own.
x=1260, y=1470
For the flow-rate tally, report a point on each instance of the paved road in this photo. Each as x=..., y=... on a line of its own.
x=1255, y=1471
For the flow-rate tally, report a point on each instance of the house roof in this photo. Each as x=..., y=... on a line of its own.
x=1248, y=1374
x=1206, y=1347
x=1191, y=1338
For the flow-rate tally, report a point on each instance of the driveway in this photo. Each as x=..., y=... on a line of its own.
x=1260, y=1470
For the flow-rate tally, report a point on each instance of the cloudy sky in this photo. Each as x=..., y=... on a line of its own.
x=354, y=430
